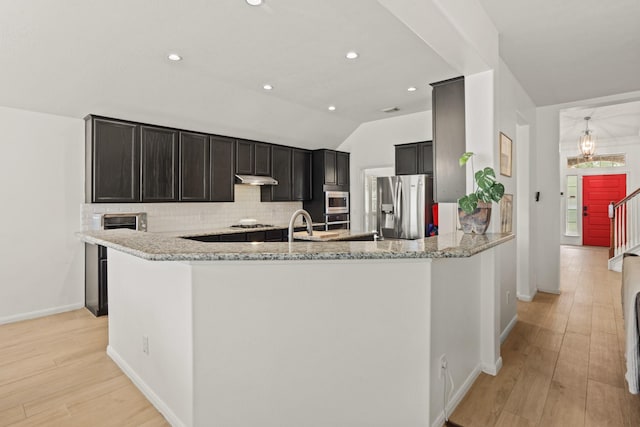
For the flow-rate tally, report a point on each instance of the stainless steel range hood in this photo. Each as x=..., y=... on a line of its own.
x=256, y=180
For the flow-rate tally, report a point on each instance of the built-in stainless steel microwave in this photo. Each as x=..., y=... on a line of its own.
x=336, y=202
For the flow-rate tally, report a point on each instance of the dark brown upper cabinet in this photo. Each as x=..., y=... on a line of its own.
x=342, y=170
x=253, y=158
x=160, y=153
x=195, y=167
x=330, y=171
x=222, y=161
x=245, y=157
x=262, y=162
x=425, y=158
x=330, y=165
x=113, y=161
x=414, y=158
x=448, y=139
x=281, y=171
x=301, y=172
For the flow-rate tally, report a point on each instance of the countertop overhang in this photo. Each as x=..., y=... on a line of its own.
x=171, y=247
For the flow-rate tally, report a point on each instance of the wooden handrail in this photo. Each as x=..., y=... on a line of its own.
x=626, y=199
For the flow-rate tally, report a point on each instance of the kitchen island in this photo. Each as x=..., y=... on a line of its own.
x=302, y=333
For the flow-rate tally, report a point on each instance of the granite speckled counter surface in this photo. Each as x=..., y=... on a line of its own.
x=170, y=247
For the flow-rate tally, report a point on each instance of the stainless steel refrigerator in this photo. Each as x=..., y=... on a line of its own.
x=404, y=206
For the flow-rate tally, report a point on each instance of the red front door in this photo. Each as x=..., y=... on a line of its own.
x=597, y=192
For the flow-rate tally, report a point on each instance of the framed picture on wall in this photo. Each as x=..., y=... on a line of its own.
x=506, y=213
x=505, y=155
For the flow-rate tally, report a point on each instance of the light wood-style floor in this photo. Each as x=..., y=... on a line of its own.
x=564, y=359
x=563, y=365
x=54, y=371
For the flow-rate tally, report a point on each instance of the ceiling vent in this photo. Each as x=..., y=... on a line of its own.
x=390, y=110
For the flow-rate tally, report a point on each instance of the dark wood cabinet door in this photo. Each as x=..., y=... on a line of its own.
x=448, y=139
x=222, y=164
x=330, y=167
x=195, y=167
x=301, y=172
x=407, y=159
x=115, y=161
x=262, y=165
x=245, y=157
x=159, y=164
x=425, y=158
x=342, y=170
x=281, y=170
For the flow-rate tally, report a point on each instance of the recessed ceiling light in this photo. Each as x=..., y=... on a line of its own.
x=332, y=108
x=267, y=87
x=254, y=2
x=174, y=57
x=352, y=55
x=412, y=89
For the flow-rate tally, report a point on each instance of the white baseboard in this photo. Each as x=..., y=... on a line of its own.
x=492, y=369
x=40, y=313
x=550, y=291
x=155, y=400
x=458, y=396
x=527, y=298
x=507, y=330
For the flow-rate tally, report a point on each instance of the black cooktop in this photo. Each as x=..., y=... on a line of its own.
x=251, y=225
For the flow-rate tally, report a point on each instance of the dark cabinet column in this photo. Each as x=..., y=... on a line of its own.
x=301, y=171
x=195, y=167
x=113, y=163
x=222, y=164
x=159, y=164
x=342, y=170
x=448, y=139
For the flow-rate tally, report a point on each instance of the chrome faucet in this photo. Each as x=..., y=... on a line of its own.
x=306, y=217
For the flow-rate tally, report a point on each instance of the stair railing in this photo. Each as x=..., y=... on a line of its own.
x=624, y=226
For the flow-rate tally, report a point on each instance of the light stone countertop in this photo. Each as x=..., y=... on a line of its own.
x=332, y=235
x=165, y=247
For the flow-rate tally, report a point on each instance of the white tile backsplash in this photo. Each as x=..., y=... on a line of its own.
x=167, y=217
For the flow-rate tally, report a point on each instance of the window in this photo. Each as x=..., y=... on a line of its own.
x=571, y=225
x=602, y=161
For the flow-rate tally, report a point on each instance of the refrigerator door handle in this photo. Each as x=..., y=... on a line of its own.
x=398, y=208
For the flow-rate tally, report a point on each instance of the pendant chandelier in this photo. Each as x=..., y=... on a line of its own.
x=587, y=143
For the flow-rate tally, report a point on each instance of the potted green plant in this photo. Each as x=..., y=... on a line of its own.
x=474, y=209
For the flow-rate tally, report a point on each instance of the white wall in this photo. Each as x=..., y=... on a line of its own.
x=42, y=175
x=515, y=118
x=372, y=146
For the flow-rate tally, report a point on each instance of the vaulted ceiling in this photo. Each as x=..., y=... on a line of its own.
x=75, y=57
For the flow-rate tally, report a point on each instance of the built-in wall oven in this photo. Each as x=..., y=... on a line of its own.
x=336, y=209
x=336, y=202
x=95, y=258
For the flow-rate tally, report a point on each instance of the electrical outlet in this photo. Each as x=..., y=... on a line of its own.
x=443, y=366
x=145, y=344
x=508, y=296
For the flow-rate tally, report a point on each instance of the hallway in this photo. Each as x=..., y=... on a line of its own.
x=564, y=360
